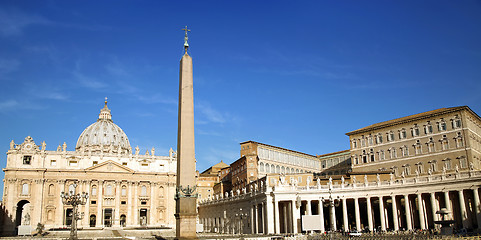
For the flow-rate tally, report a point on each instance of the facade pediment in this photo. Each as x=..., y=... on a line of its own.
x=110, y=166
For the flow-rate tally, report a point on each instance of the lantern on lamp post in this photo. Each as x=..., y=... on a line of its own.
x=74, y=199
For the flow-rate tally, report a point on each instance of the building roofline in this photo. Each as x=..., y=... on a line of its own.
x=412, y=118
x=285, y=149
x=333, y=153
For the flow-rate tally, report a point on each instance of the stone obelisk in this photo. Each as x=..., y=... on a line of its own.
x=186, y=196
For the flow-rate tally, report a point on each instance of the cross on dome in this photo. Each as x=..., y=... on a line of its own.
x=105, y=112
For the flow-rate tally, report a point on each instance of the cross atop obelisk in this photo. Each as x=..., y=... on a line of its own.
x=186, y=195
x=186, y=38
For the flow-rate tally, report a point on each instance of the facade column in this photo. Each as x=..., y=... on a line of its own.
x=447, y=200
x=276, y=217
x=344, y=214
x=434, y=207
x=87, y=204
x=477, y=210
x=369, y=214
x=116, y=220
x=421, y=211
x=321, y=215
x=332, y=213
x=394, y=213
x=462, y=206
x=59, y=221
x=407, y=209
x=381, y=213
x=129, y=204
x=358, y=214
x=136, y=204
x=153, y=202
x=100, y=196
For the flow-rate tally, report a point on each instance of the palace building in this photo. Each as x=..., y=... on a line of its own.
x=125, y=188
x=396, y=176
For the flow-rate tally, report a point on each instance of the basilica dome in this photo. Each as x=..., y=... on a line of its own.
x=104, y=136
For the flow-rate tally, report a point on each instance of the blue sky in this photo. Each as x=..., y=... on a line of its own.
x=294, y=74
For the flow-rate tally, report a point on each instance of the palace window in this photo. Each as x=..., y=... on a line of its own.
x=94, y=190
x=417, y=147
x=71, y=188
x=442, y=125
x=430, y=144
x=444, y=143
x=25, y=189
x=27, y=160
x=407, y=169
x=261, y=167
x=415, y=131
x=371, y=155
x=405, y=151
x=402, y=133
x=390, y=136
x=354, y=144
x=108, y=190
x=379, y=138
x=73, y=163
x=428, y=128
x=124, y=190
x=395, y=171
x=463, y=162
x=369, y=140
x=53, y=163
x=51, y=189
x=419, y=167
x=392, y=153
x=447, y=163
x=456, y=122
x=143, y=191
x=459, y=140
x=432, y=165
x=381, y=155
x=94, y=163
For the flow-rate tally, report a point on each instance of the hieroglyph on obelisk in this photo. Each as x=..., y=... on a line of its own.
x=186, y=195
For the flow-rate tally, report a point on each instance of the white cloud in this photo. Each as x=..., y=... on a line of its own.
x=210, y=113
x=14, y=22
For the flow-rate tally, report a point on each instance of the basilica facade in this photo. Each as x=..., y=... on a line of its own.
x=125, y=188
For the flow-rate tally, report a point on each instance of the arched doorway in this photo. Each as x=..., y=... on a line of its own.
x=93, y=220
x=123, y=220
x=22, y=216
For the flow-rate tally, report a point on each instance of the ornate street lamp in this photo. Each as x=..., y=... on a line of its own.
x=241, y=216
x=332, y=203
x=71, y=198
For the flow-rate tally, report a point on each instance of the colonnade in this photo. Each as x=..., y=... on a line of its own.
x=396, y=211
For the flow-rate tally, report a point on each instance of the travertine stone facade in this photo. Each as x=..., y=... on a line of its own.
x=441, y=140
x=125, y=188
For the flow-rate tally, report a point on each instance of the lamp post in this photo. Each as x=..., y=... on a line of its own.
x=71, y=198
x=241, y=216
x=332, y=204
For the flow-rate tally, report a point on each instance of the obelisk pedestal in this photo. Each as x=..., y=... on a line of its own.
x=186, y=196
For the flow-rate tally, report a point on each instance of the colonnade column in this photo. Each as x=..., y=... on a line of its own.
x=394, y=213
x=407, y=209
x=344, y=214
x=99, y=204
x=422, y=221
x=464, y=214
x=270, y=216
x=369, y=214
x=136, y=204
x=434, y=207
x=332, y=212
x=448, y=205
x=277, y=227
x=253, y=218
x=321, y=215
x=308, y=208
x=381, y=213
x=477, y=206
x=296, y=214
x=358, y=214
x=264, y=222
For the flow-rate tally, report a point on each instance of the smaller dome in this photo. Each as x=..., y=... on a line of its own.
x=104, y=135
